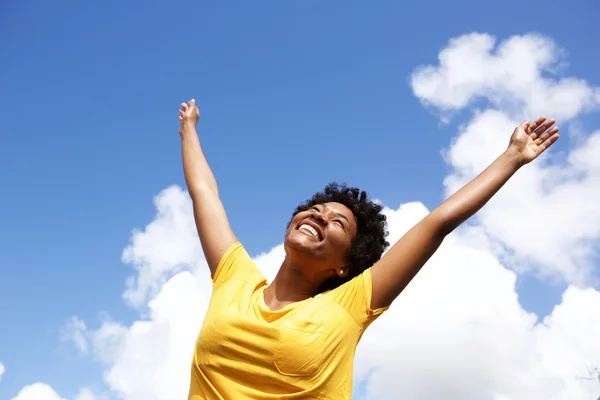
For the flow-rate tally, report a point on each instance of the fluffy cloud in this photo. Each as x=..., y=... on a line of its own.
x=160, y=346
x=75, y=331
x=167, y=244
x=2, y=370
x=37, y=391
x=458, y=330
x=517, y=74
x=86, y=394
x=42, y=391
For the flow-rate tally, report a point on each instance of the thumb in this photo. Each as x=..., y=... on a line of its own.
x=192, y=103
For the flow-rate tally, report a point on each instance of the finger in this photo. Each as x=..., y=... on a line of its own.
x=546, y=135
x=549, y=141
x=180, y=118
x=525, y=125
x=536, y=124
x=542, y=128
x=184, y=106
x=546, y=125
x=192, y=102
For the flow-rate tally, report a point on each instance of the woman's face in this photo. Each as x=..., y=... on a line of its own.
x=322, y=237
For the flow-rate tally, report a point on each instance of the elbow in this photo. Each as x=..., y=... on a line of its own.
x=203, y=190
x=441, y=223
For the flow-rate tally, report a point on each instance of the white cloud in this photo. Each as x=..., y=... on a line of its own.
x=86, y=394
x=106, y=341
x=42, y=391
x=167, y=245
x=2, y=370
x=518, y=74
x=37, y=391
x=75, y=331
x=160, y=346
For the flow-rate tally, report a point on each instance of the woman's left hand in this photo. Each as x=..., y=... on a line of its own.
x=529, y=140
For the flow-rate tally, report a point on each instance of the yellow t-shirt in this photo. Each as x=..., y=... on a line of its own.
x=303, y=351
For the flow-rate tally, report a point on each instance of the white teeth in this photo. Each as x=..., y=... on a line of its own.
x=310, y=230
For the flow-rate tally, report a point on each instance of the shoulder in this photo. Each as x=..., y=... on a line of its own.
x=354, y=296
x=236, y=264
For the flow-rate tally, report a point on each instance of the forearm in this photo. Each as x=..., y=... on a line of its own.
x=473, y=196
x=197, y=172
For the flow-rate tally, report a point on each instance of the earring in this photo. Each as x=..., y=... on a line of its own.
x=341, y=273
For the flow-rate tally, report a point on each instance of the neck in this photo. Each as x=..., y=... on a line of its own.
x=290, y=285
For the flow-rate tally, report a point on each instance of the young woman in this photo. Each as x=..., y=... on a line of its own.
x=296, y=338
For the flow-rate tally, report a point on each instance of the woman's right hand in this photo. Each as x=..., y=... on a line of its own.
x=188, y=115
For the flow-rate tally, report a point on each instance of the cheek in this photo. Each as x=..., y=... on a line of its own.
x=294, y=222
x=289, y=233
x=341, y=242
x=289, y=229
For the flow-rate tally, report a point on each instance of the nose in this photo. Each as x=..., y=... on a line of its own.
x=320, y=218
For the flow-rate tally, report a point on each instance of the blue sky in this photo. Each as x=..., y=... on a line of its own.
x=88, y=133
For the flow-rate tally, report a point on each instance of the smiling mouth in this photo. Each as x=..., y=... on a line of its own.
x=311, y=231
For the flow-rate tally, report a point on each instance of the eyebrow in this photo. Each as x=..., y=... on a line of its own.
x=337, y=213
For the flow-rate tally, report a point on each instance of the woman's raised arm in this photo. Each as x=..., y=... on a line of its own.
x=404, y=260
x=212, y=223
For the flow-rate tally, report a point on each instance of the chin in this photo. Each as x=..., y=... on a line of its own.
x=298, y=242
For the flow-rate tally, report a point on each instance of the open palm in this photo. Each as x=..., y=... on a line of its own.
x=532, y=139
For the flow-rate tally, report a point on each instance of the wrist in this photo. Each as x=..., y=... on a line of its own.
x=187, y=128
x=513, y=158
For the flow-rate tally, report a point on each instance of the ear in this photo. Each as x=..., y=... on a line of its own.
x=343, y=271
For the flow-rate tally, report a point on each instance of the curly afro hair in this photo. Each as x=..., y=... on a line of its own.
x=370, y=241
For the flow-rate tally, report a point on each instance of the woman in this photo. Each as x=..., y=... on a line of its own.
x=296, y=338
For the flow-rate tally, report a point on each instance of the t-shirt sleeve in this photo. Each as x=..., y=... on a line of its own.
x=355, y=297
x=236, y=264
